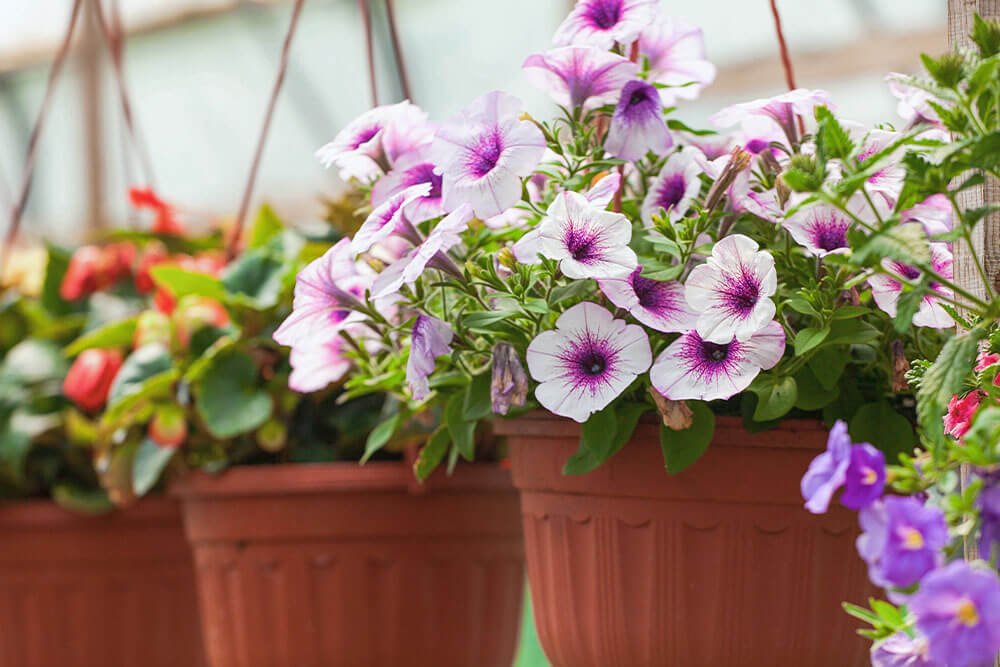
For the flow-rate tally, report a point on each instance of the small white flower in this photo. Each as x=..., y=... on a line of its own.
x=588, y=241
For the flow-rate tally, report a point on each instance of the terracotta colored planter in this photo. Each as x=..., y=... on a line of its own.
x=342, y=565
x=109, y=591
x=720, y=565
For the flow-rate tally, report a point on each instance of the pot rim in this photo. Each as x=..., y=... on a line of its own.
x=336, y=477
x=45, y=513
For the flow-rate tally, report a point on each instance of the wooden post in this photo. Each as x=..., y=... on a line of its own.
x=92, y=122
x=987, y=235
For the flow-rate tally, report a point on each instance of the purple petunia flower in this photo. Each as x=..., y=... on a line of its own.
x=821, y=229
x=887, y=181
x=327, y=293
x=431, y=338
x=484, y=152
x=958, y=609
x=601, y=23
x=901, y=540
x=886, y=290
x=935, y=213
x=429, y=253
x=782, y=109
x=317, y=363
x=603, y=191
x=362, y=150
x=902, y=650
x=587, y=241
x=657, y=304
x=675, y=50
x=675, y=187
x=580, y=76
x=865, y=478
x=637, y=125
x=913, y=106
x=828, y=471
x=989, y=516
x=732, y=290
x=388, y=218
x=695, y=369
x=412, y=170
x=587, y=361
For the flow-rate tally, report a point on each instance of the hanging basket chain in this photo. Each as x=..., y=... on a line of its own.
x=366, y=19
x=279, y=80
x=404, y=80
x=18, y=206
x=786, y=60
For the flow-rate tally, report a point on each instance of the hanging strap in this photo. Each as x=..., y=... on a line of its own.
x=279, y=80
x=397, y=50
x=17, y=208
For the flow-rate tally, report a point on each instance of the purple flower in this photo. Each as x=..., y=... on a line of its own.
x=732, y=290
x=902, y=650
x=318, y=362
x=781, y=109
x=934, y=213
x=431, y=339
x=389, y=218
x=327, y=292
x=958, y=609
x=902, y=540
x=580, y=76
x=359, y=149
x=429, y=253
x=886, y=290
x=603, y=191
x=865, y=479
x=828, y=471
x=657, y=304
x=484, y=152
x=587, y=241
x=913, y=106
x=508, y=381
x=413, y=170
x=587, y=361
x=989, y=517
x=887, y=181
x=675, y=50
x=601, y=23
x=675, y=187
x=822, y=229
x=637, y=125
x=695, y=369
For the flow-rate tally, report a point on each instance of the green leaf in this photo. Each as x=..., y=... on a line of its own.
x=432, y=453
x=144, y=363
x=113, y=334
x=603, y=435
x=905, y=243
x=78, y=498
x=809, y=338
x=851, y=332
x=180, y=282
x=832, y=140
x=908, y=305
x=986, y=152
x=800, y=305
x=683, y=448
x=148, y=464
x=229, y=398
x=55, y=270
x=775, y=396
x=130, y=405
x=34, y=361
x=828, y=365
x=850, y=312
x=478, y=402
x=812, y=395
x=256, y=279
x=879, y=424
x=943, y=380
x=14, y=446
x=485, y=321
x=381, y=435
x=266, y=226
x=461, y=430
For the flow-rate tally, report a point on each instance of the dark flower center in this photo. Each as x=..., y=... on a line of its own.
x=593, y=362
x=714, y=353
x=741, y=293
x=605, y=14
x=756, y=146
x=424, y=173
x=580, y=243
x=639, y=96
x=486, y=152
x=830, y=236
x=671, y=191
x=907, y=271
x=651, y=293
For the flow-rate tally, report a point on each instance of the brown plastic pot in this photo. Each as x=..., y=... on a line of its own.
x=334, y=565
x=109, y=591
x=719, y=565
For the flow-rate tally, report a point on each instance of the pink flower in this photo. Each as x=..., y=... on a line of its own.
x=637, y=125
x=388, y=218
x=887, y=181
x=603, y=191
x=958, y=420
x=601, y=23
x=484, y=152
x=732, y=290
x=431, y=339
x=580, y=76
x=587, y=361
x=414, y=169
x=886, y=290
x=358, y=150
x=318, y=362
x=675, y=187
x=822, y=229
x=657, y=304
x=692, y=368
x=913, y=104
x=782, y=109
x=676, y=53
x=588, y=242
x=985, y=360
x=934, y=213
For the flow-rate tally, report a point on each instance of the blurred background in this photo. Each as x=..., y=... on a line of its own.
x=199, y=74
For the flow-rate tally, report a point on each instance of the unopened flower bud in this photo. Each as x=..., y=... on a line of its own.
x=900, y=367
x=168, y=427
x=509, y=386
x=506, y=258
x=152, y=327
x=676, y=415
x=739, y=160
x=272, y=436
x=197, y=312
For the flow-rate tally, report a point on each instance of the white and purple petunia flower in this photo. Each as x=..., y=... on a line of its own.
x=658, y=304
x=957, y=608
x=821, y=229
x=935, y=213
x=587, y=241
x=637, y=125
x=389, y=218
x=886, y=290
x=732, y=290
x=675, y=50
x=484, y=152
x=412, y=170
x=782, y=109
x=580, y=76
x=318, y=362
x=361, y=150
x=914, y=103
x=603, y=191
x=887, y=181
x=692, y=368
x=675, y=187
x=431, y=338
x=429, y=253
x=327, y=291
x=601, y=23
x=587, y=361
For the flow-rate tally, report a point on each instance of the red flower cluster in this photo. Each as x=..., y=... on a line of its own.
x=89, y=379
x=164, y=216
x=95, y=268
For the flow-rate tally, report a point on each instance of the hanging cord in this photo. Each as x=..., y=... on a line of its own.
x=114, y=37
x=366, y=19
x=404, y=81
x=18, y=206
x=786, y=60
x=234, y=239
x=397, y=50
